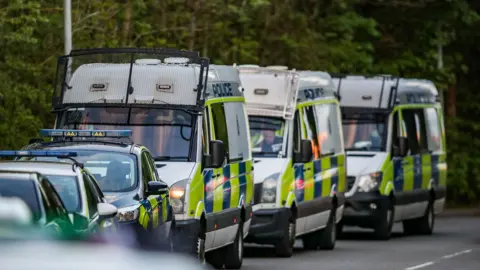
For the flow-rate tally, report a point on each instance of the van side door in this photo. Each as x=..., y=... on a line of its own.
x=415, y=194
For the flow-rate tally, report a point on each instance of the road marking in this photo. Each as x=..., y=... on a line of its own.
x=419, y=266
x=457, y=253
x=449, y=256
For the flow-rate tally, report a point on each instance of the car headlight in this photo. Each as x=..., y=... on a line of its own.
x=177, y=196
x=269, y=189
x=128, y=213
x=369, y=182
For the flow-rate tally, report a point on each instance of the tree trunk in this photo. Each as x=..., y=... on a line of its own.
x=127, y=22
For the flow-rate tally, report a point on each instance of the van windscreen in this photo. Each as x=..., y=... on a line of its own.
x=167, y=133
x=266, y=134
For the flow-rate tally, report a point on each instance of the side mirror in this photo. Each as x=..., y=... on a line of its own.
x=157, y=188
x=400, y=149
x=306, y=152
x=106, y=210
x=217, y=155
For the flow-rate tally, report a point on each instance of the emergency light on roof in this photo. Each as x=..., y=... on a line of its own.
x=148, y=61
x=85, y=133
x=176, y=60
x=36, y=153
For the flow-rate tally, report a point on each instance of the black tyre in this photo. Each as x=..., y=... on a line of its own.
x=284, y=248
x=340, y=232
x=234, y=252
x=199, y=248
x=328, y=235
x=423, y=225
x=383, y=228
x=310, y=241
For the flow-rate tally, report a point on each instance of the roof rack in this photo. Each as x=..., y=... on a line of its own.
x=393, y=89
x=67, y=64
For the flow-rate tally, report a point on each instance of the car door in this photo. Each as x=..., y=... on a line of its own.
x=94, y=197
x=161, y=213
x=100, y=198
x=58, y=214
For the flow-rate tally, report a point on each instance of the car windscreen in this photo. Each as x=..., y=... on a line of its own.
x=266, y=135
x=23, y=189
x=114, y=172
x=167, y=133
x=68, y=190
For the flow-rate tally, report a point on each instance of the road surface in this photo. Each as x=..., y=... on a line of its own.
x=455, y=244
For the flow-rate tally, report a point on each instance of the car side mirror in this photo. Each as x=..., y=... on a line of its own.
x=306, y=153
x=217, y=155
x=400, y=149
x=106, y=210
x=157, y=188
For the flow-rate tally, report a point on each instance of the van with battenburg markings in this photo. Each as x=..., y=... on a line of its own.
x=299, y=159
x=396, y=153
x=191, y=115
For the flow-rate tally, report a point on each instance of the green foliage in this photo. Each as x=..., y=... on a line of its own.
x=377, y=36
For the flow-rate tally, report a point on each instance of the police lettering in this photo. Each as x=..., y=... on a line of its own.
x=313, y=93
x=222, y=90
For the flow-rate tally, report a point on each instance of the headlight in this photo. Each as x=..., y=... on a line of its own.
x=368, y=182
x=128, y=213
x=269, y=189
x=177, y=196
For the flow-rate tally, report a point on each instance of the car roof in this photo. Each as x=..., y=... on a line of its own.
x=42, y=167
x=17, y=175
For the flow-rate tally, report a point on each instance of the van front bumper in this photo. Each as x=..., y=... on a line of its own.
x=364, y=209
x=268, y=225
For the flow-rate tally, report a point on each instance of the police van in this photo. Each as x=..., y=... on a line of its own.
x=191, y=115
x=396, y=153
x=299, y=159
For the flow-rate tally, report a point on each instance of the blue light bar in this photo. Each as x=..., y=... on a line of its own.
x=85, y=133
x=36, y=153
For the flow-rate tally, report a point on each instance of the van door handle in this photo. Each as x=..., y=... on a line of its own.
x=307, y=169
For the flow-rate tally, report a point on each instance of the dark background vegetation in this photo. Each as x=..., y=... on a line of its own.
x=355, y=36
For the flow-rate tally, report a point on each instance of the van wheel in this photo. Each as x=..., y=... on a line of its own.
x=284, y=248
x=328, y=235
x=234, y=252
x=383, y=229
x=200, y=248
x=310, y=241
x=423, y=225
x=216, y=258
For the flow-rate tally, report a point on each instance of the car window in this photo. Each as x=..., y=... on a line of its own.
x=67, y=187
x=56, y=205
x=414, y=125
x=91, y=201
x=96, y=187
x=151, y=163
x=23, y=189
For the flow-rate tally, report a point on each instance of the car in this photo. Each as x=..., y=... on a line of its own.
x=77, y=188
x=126, y=174
x=46, y=207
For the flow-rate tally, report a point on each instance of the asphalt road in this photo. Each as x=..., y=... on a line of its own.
x=455, y=244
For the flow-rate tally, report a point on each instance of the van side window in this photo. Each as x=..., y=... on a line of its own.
x=220, y=125
x=415, y=126
x=238, y=132
x=433, y=130
x=328, y=127
x=296, y=132
x=311, y=129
